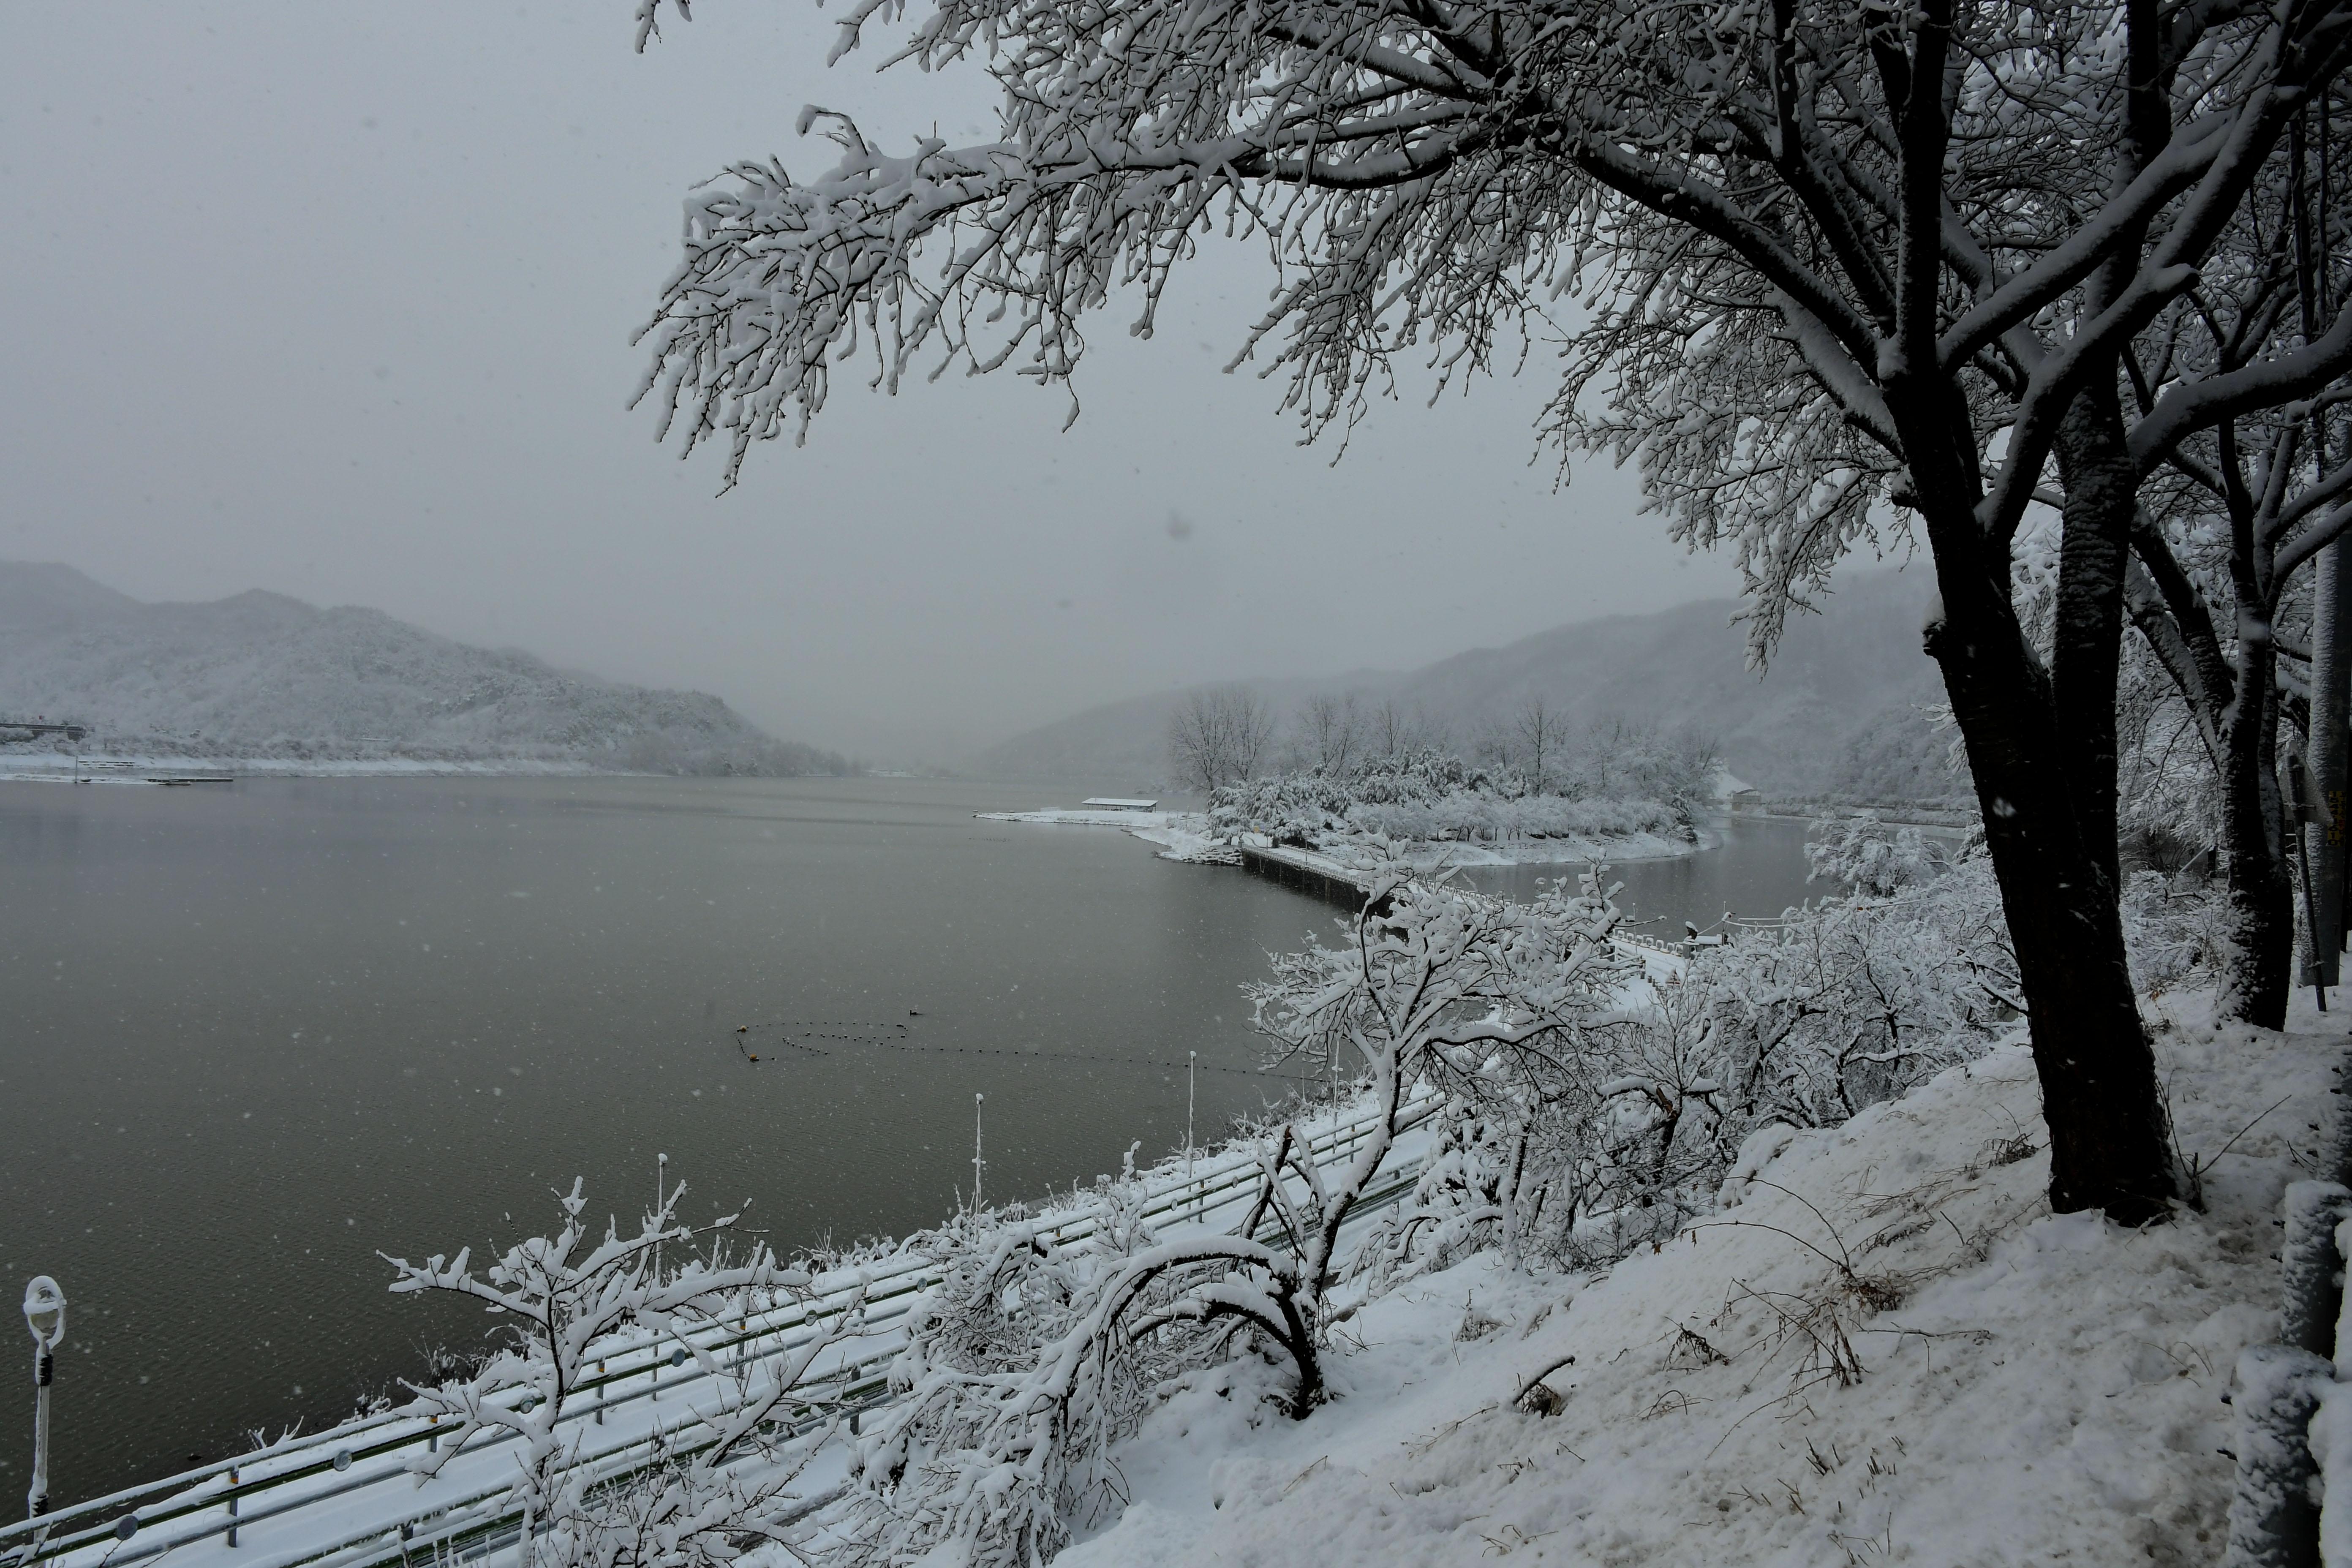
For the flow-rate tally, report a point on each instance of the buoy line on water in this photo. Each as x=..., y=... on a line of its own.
x=881, y=1034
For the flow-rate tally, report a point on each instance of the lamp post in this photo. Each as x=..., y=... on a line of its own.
x=45, y=1314
x=1192, y=1062
x=978, y=1164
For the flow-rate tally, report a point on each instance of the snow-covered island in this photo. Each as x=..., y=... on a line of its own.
x=1438, y=809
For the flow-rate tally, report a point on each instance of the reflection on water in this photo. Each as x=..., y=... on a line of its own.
x=252, y=1035
x=1758, y=870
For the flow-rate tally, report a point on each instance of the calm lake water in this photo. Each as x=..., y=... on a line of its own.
x=252, y=1035
x=1758, y=869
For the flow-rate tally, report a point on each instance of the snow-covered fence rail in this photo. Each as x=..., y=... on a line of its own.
x=349, y=1496
x=2294, y=1401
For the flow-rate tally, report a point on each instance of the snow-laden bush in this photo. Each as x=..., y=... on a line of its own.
x=1587, y=1151
x=1433, y=796
x=1025, y=1360
x=1857, y=852
x=1800, y=1024
x=565, y=1305
x=2176, y=927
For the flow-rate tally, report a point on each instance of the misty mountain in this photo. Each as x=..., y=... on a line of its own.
x=1838, y=712
x=261, y=675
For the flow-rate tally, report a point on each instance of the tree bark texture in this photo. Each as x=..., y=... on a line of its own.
x=2331, y=706
x=2048, y=817
x=2262, y=896
x=2086, y=643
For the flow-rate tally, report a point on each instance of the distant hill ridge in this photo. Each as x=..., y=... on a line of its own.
x=262, y=675
x=1840, y=713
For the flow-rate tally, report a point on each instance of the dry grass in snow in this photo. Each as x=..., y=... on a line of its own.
x=1889, y=1350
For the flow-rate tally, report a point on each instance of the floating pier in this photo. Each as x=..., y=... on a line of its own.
x=1318, y=876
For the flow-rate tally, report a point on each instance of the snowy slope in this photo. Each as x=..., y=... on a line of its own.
x=261, y=675
x=1839, y=710
x=2016, y=1388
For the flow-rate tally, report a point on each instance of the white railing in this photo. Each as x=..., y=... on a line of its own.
x=347, y=1497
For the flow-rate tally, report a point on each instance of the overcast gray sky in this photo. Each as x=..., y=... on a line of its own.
x=336, y=299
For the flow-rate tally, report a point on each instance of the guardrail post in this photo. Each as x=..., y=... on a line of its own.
x=2312, y=1272
x=231, y=1537
x=600, y=1392
x=2274, y=1522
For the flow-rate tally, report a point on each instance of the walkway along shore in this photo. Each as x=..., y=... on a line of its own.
x=345, y=1497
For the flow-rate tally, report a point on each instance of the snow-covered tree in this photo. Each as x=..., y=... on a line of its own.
x=1025, y=1363
x=1538, y=727
x=565, y=1304
x=2228, y=547
x=1494, y=1004
x=1218, y=736
x=1860, y=855
x=1325, y=733
x=1831, y=261
x=1031, y=1356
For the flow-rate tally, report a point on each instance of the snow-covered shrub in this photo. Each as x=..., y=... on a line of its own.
x=1499, y=1006
x=1851, y=1001
x=1433, y=796
x=2176, y=928
x=1030, y=1357
x=1629, y=1125
x=1488, y=818
x=1024, y=1364
x=2175, y=923
x=1858, y=852
x=564, y=1305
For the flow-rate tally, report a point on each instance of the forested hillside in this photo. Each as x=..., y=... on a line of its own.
x=261, y=675
x=1842, y=709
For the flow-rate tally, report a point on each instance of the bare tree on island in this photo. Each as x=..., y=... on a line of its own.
x=1218, y=735
x=1835, y=261
x=1539, y=734
x=1327, y=730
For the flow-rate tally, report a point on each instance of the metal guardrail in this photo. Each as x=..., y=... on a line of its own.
x=460, y=1517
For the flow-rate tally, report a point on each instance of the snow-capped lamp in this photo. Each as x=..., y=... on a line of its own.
x=45, y=1314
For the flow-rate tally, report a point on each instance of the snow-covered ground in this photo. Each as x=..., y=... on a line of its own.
x=1888, y=1349
x=1184, y=835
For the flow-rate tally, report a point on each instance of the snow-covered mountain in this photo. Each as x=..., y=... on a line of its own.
x=1838, y=712
x=261, y=675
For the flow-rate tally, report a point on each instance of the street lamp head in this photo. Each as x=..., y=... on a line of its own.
x=45, y=1312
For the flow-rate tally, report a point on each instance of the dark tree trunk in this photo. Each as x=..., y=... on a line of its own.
x=2110, y=1144
x=2086, y=642
x=2236, y=700
x=2261, y=898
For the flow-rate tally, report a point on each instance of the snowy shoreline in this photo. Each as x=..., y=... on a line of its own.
x=1184, y=835
x=52, y=768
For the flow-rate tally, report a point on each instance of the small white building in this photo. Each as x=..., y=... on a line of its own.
x=1735, y=794
x=1114, y=803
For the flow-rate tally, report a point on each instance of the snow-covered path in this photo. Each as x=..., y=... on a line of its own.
x=346, y=1497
